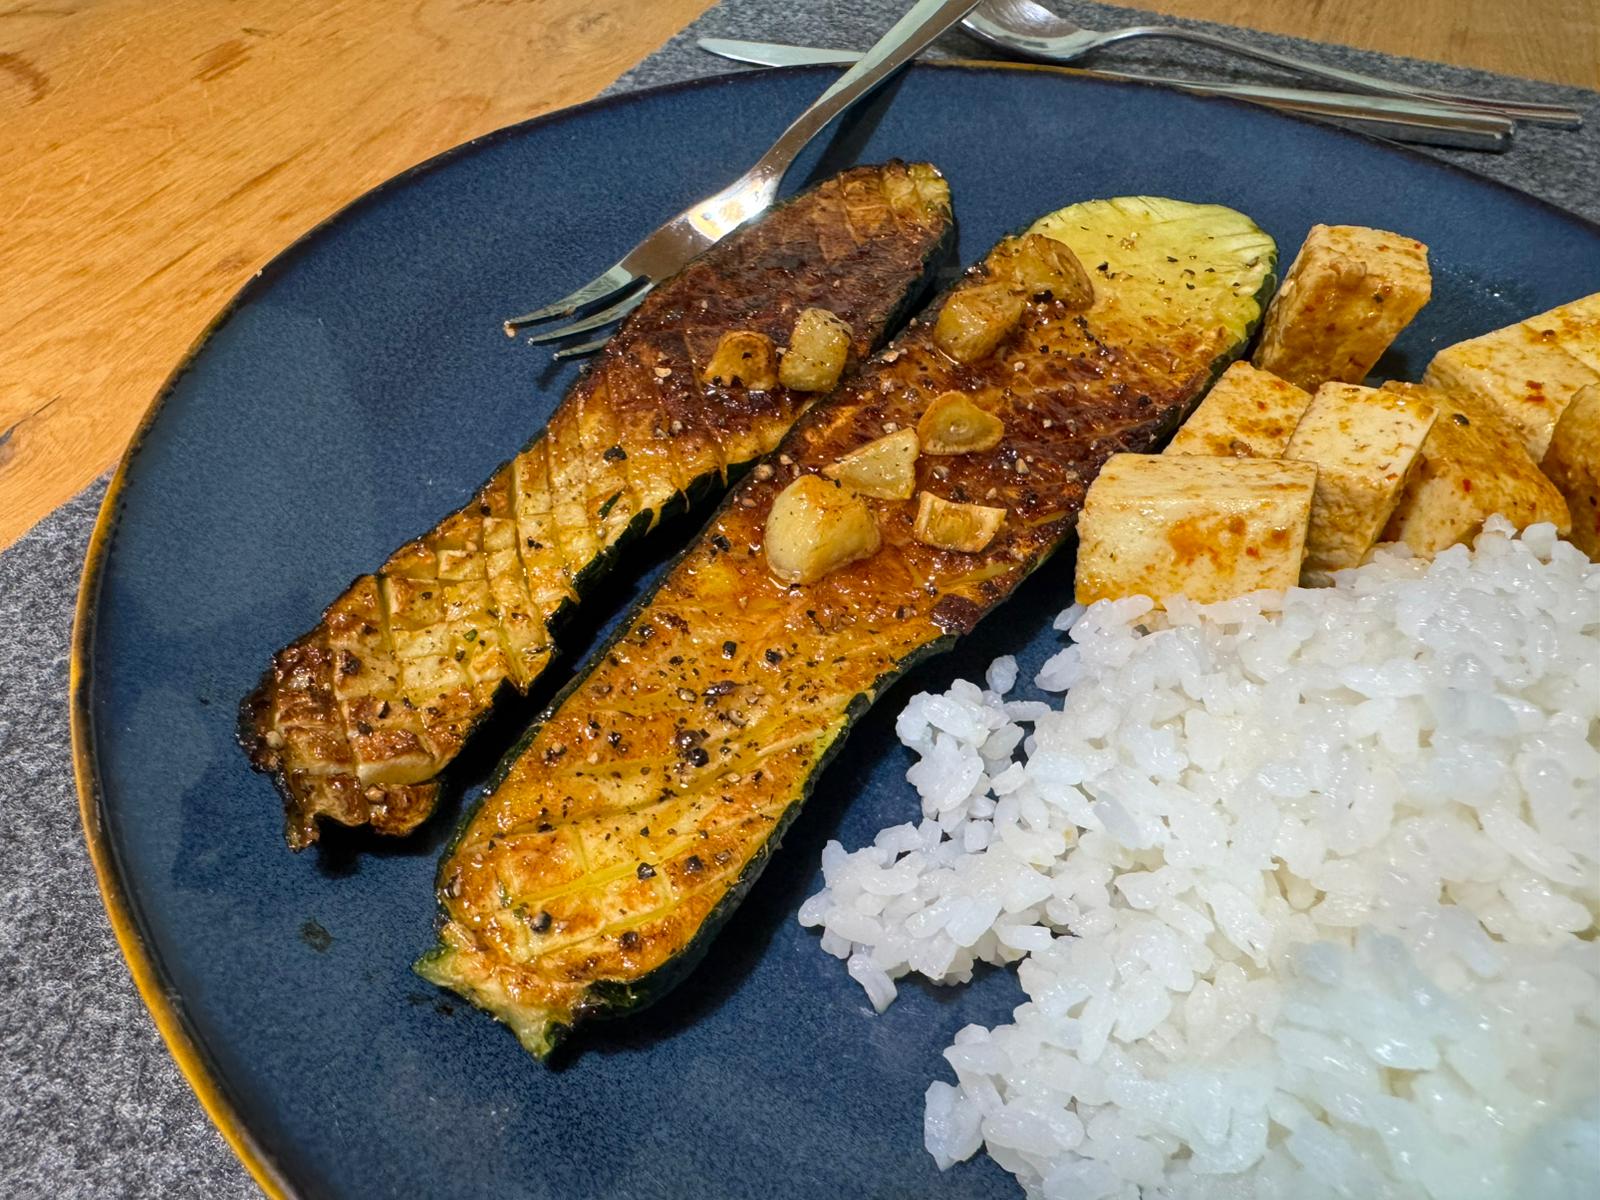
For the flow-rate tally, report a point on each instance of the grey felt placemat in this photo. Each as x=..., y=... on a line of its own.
x=90, y=1103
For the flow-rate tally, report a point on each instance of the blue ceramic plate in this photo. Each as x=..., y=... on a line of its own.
x=359, y=388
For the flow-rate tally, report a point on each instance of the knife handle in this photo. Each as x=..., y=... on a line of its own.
x=1402, y=120
x=1421, y=121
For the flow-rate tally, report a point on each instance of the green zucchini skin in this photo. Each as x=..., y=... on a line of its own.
x=356, y=720
x=576, y=889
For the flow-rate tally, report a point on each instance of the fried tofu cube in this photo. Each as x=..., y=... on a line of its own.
x=1574, y=326
x=1248, y=413
x=1573, y=465
x=1346, y=297
x=1206, y=528
x=1364, y=443
x=1472, y=465
x=1529, y=371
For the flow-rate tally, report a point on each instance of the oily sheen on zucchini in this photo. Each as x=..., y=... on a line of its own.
x=355, y=719
x=624, y=829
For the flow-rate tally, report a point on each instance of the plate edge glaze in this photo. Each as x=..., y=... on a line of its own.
x=148, y=978
x=147, y=975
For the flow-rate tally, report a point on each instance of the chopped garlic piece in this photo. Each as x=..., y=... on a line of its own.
x=885, y=468
x=815, y=527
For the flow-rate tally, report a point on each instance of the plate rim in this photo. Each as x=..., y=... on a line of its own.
x=150, y=977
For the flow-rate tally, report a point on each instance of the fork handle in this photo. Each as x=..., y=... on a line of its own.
x=907, y=38
x=1540, y=114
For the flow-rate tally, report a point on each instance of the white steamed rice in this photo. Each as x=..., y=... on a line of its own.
x=1330, y=860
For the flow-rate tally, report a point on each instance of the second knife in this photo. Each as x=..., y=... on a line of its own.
x=1402, y=120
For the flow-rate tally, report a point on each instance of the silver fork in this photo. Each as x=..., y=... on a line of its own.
x=706, y=221
x=1033, y=31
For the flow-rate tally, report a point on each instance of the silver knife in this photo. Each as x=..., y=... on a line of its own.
x=1402, y=120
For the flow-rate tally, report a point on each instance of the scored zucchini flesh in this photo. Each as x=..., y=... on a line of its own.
x=356, y=718
x=620, y=833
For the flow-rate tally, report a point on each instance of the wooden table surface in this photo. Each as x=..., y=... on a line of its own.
x=155, y=155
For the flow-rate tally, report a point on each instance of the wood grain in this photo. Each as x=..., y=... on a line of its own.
x=156, y=155
x=1553, y=40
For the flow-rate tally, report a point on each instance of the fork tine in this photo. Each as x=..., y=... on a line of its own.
x=581, y=349
x=600, y=287
x=596, y=320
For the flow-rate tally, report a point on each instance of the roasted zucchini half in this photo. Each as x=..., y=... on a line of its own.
x=356, y=719
x=624, y=828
